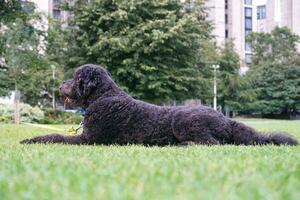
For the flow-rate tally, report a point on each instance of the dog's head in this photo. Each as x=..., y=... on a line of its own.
x=87, y=82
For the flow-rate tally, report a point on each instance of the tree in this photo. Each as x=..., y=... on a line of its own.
x=276, y=68
x=153, y=49
x=277, y=46
x=56, y=45
x=39, y=85
x=4, y=82
x=21, y=48
x=28, y=52
x=12, y=9
x=230, y=80
x=28, y=60
x=278, y=87
x=234, y=90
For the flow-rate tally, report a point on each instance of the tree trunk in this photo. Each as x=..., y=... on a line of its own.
x=17, y=115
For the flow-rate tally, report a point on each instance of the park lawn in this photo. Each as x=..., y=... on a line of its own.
x=137, y=172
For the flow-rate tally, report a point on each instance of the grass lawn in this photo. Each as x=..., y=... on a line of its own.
x=137, y=172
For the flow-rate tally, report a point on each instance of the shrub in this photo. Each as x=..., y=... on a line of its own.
x=61, y=117
x=4, y=119
x=28, y=113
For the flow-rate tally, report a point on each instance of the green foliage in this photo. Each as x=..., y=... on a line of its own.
x=28, y=113
x=153, y=49
x=21, y=49
x=4, y=82
x=278, y=88
x=138, y=172
x=56, y=45
x=29, y=55
x=230, y=83
x=277, y=46
x=275, y=74
x=61, y=117
x=4, y=119
x=12, y=9
x=39, y=84
x=36, y=115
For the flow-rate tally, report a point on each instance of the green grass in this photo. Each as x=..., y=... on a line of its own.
x=137, y=172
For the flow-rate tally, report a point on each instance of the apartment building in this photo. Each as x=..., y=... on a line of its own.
x=234, y=19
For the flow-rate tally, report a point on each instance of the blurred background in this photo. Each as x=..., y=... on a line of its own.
x=240, y=57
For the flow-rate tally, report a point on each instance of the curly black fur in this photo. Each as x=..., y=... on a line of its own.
x=113, y=117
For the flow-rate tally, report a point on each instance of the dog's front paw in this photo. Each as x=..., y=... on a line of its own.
x=28, y=141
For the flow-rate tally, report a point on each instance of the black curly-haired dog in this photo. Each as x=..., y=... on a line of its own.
x=113, y=117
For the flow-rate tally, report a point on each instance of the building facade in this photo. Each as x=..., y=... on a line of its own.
x=56, y=12
x=234, y=19
x=50, y=7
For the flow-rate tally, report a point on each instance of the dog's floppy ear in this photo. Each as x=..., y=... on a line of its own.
x=87, y=83
x=89, y=86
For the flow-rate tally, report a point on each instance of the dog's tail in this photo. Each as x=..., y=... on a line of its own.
x=244, y=135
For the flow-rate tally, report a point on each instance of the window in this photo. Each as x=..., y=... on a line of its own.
x=56, y=3
x=248, y=12
x=226, y=4
x=248, y=19
x=248, y=58
x=226, y=19
x=261, y=12
x=248, y=23
x=226, y=33
x=56, y=14
x=248, y=2
x=248, y=47
x=248, y=29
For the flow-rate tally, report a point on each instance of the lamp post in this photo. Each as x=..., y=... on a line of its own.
x=53, y=89
x=215, y=67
